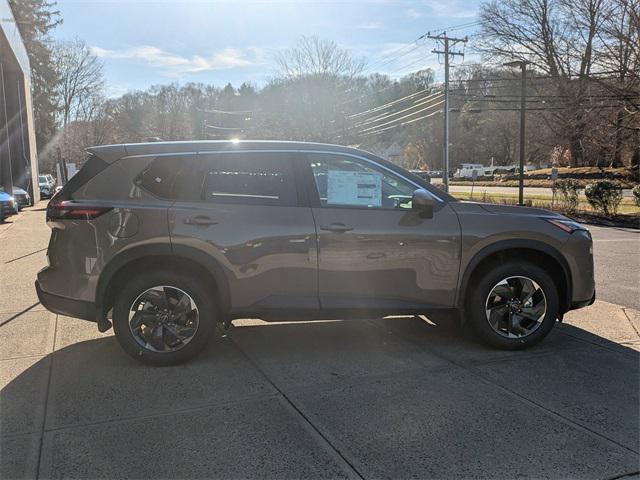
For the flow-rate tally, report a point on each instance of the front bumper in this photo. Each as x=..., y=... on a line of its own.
x=66, y=306
x=578, y=252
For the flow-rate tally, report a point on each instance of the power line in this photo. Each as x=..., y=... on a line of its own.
x=393, y=102
x=423, y=102
x=402, y=124
x=403, y=117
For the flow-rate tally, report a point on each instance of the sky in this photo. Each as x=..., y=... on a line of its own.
x=150, y=42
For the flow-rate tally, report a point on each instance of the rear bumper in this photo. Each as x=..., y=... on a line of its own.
x=66, y=306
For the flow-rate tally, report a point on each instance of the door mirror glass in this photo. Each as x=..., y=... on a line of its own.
x=423, y=203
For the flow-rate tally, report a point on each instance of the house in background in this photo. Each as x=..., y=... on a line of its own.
x=18, y=154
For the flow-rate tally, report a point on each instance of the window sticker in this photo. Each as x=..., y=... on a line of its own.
x=354, y=188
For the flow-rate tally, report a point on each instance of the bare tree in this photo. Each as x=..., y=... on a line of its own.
x=81, y=77
x=317, y=57
x=558, y=37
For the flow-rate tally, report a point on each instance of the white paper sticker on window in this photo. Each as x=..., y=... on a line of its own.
x=354, y=188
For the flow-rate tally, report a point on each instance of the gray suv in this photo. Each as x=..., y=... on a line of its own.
x=165, y=240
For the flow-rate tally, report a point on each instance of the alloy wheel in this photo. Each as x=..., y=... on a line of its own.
x=516, y=307
x=163, y=319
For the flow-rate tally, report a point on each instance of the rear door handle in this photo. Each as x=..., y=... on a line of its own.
x=336, y=227
x=200, y=220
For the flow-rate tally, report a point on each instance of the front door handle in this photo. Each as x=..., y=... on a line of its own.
x=336, y=227
x=200, y=220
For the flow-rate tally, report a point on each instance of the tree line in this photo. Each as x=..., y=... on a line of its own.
x=583, y=93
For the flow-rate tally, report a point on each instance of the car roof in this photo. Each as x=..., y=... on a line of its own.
x=111, y=153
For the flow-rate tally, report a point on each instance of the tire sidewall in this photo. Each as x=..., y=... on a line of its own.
x=203, y=299
x=485, y=282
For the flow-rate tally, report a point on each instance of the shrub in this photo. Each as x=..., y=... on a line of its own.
x=569, y=190
x=604, y=196
x=636, y=194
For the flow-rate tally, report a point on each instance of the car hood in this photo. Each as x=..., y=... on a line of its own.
x=4, y=196
x=498, y=209
x=19, y=191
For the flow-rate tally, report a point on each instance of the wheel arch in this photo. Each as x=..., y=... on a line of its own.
x=543, y=254
x=149, y=256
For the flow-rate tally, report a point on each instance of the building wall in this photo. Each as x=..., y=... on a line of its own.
x=18, y=152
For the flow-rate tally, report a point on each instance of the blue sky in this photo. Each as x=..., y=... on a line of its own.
x=147, y=42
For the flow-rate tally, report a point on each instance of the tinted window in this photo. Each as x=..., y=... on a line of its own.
x=245, y=178
x=92, y=167
x=173, y=177
x=349, y=182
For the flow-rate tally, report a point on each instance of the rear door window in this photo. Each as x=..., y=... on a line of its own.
x=250, y=178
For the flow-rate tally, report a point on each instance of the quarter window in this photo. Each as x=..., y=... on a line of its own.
x=172, y=177
x=254, y=179
x=343, y=181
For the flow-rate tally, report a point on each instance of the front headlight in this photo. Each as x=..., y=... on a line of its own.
x=567, y=225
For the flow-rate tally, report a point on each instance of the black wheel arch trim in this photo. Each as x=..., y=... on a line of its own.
x=124, y=258
x=510, y=245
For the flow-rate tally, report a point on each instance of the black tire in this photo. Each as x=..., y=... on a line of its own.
x=482, y=285
x=202, y=294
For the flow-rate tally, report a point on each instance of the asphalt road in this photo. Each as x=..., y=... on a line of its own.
x=617, y=261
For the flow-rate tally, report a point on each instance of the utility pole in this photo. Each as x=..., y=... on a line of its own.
x=523, y=109
x=447, y=42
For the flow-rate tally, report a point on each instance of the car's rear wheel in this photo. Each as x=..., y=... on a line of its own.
x=513, y=306
x=164, y=318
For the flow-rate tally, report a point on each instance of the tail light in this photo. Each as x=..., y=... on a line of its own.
x=71, y=210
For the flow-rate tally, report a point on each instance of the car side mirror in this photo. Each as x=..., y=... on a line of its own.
x=422, y=202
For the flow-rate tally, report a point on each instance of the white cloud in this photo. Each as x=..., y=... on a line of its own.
x=370, y=26
x=176, y=64
x=412, y=13
x=452, y=8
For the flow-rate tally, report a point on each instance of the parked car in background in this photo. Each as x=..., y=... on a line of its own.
x=8, y=204
x=46, y=185
x=167, y=239
x=21, y=197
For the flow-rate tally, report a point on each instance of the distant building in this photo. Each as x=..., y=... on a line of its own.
x=394, y=153
x=18, y=154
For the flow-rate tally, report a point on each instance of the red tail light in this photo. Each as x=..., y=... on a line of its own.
x=70, y=210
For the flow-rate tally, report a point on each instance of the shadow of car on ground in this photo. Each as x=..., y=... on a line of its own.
x=396, y=398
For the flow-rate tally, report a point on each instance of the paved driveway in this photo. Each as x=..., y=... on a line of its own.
x=387, y=398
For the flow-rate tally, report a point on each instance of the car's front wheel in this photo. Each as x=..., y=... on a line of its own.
x=163, y=318
x=513, y=305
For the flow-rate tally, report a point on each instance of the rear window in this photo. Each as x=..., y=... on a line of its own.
x=90, y=169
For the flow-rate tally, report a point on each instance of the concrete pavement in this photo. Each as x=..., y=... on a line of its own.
x=384, y=398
